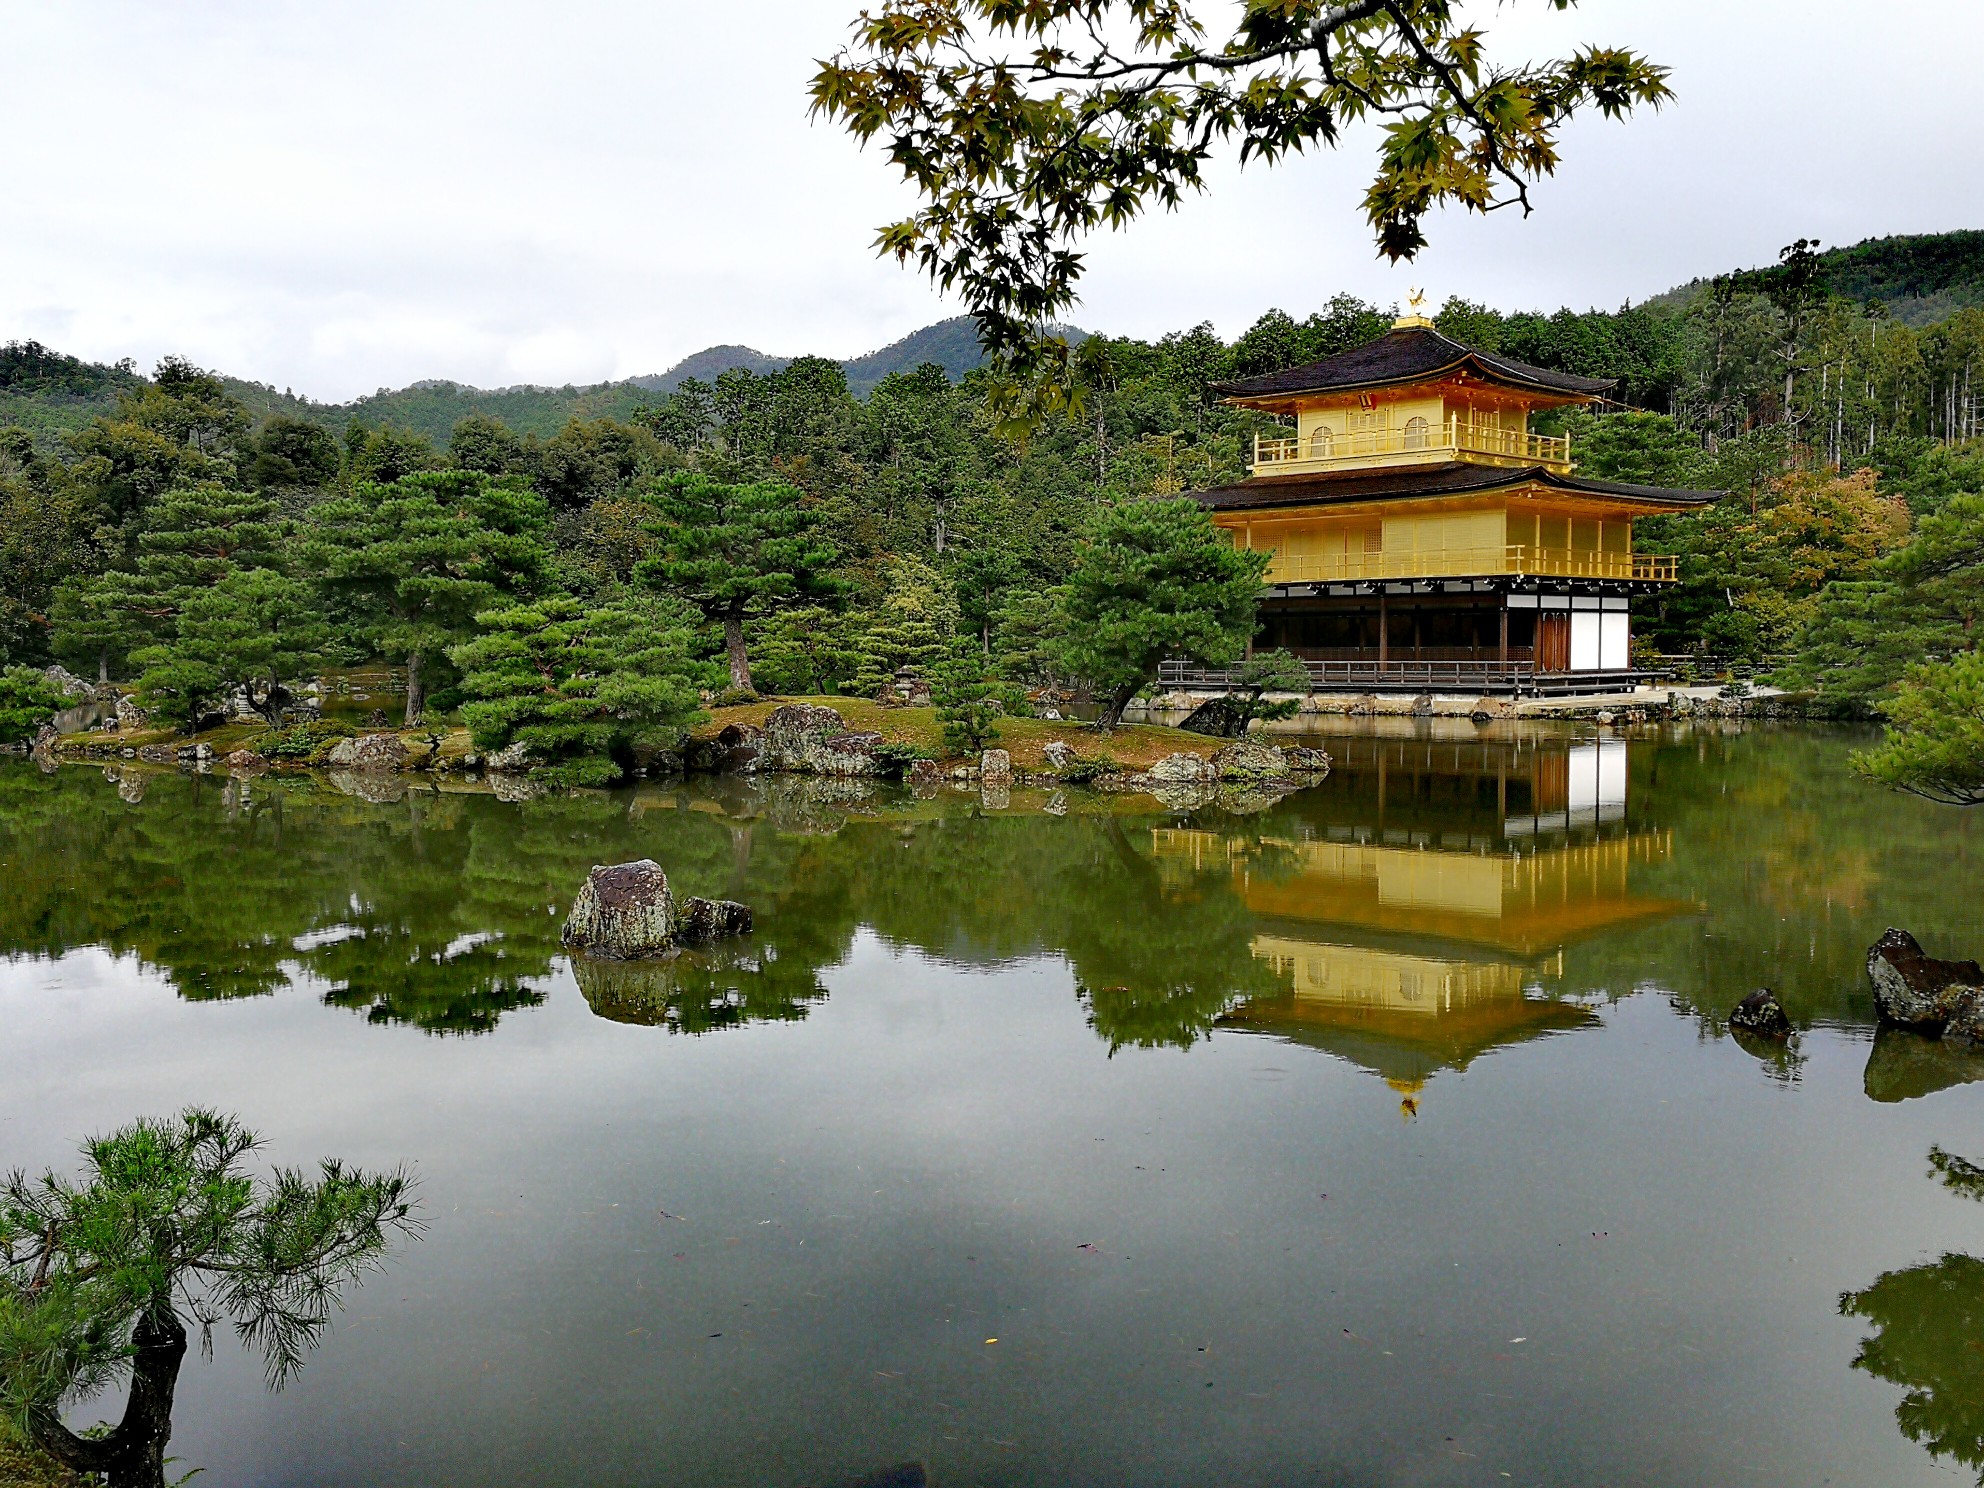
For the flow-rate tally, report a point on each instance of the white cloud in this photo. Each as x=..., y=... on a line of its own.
x=336, y=198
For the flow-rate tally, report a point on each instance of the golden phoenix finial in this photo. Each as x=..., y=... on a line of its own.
x=1417, y=299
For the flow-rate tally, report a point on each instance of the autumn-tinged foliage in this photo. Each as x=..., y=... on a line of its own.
x=1025, y=127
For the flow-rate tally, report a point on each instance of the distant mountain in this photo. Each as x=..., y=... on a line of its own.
x=709, y=364
x=951, y=344
x=1921, y=278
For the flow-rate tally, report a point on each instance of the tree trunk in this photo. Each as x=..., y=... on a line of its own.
x=416, y=697
x=132, y=1455
x=733, y=647
x=271, y=704
x=102, y=667
x=1112, y=713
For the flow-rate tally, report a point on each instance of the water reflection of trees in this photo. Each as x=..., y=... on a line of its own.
x=1797, y=865
x=1928, y=1337
x=442, y=910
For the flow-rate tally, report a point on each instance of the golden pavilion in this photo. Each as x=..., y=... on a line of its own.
x=1424, y=536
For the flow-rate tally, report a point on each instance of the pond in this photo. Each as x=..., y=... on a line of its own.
x=1390, y=1135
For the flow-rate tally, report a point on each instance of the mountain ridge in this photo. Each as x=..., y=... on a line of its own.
x=1920, y=277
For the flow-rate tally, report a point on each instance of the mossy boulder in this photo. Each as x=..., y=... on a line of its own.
x=623, y=911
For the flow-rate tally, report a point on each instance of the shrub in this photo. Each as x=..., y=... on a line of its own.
x=895, y=759
x=305, y=741
x=1087, y=771
x=27, y=701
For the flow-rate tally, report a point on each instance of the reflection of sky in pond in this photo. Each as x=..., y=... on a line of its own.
x=962, y=1049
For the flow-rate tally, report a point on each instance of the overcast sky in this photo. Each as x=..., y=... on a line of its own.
x=340, y=197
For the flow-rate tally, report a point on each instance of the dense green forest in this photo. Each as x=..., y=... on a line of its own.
x=817, y=540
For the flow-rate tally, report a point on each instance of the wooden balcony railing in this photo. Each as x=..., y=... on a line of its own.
x=1451, y=563
x=1521, y=677
x=1418, y=442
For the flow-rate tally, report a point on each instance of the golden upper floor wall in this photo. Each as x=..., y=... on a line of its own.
x=1426, y=425
x=1428, y=539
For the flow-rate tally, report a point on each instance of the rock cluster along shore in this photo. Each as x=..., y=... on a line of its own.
x=795, y=739
x=625, y=912
x=811, y=739
x=1654, y=707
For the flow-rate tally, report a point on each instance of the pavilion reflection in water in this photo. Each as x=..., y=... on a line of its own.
x=1418, y=903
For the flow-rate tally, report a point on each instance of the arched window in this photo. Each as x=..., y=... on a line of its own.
x=1321, y=443
x=1415, y=433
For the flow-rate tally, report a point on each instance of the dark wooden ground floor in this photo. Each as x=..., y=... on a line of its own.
x=1550, y=633
x=1450, y=637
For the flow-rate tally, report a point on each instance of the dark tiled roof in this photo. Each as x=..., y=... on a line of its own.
x=1408, y=354
x=1456, y=478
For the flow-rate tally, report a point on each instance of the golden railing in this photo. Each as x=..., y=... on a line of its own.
x=1448, y=440
x=1514, y=558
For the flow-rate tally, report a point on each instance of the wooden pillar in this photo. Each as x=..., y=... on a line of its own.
x=1384, y=628
x=1502, y=651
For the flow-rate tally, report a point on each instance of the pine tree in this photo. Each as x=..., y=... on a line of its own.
x=415, y=561
x=1156, y=581
x=580, y=688
x=1935, y=739
x=193, y=538
x=256, y=631
x=167, y=1225
x=967, y=701
x=736, y=551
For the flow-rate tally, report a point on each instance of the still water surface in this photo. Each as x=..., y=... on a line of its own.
x=1387, y=1136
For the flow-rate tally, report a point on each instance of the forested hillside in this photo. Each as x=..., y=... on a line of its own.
x=1851, y=540
x=1917, y=279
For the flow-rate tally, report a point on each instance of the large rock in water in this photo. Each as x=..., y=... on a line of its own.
x=368, y=752
x=1919, y=991
x=1181, y=769
x=808, y=739
x=623, y=912
x=1307, y=761
x=1250, y=761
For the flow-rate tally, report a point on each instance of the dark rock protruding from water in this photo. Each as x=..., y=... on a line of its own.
x=1918, y=991
x=706, y=920
x=1762, y=1013
x=623, y=912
